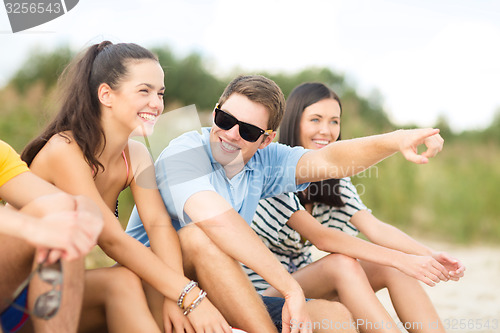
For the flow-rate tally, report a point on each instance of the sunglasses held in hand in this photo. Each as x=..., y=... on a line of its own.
x=48, y=303
x=248, y=132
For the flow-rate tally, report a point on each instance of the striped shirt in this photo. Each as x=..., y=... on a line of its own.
x=270, y=224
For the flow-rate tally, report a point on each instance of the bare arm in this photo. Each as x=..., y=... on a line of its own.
x=162, y=236
x=49, y=218
x=40, y=232
x=226, y=228
x=391, y=237
x=387, y=235
x=62, y=231
x=229, y=231
x=349, y=157
x=425, y=269
x=24, y=188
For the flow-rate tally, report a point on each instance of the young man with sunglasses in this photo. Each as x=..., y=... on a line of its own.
x=52, y=229
x=216, y=180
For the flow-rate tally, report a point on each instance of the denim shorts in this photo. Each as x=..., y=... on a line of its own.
x=274, y=306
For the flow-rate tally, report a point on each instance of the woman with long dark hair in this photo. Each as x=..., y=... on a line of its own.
x=109, y=93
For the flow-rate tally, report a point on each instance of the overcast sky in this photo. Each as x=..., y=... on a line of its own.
x=425, y=57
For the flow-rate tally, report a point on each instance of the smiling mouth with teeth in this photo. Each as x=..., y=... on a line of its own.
x=321, y=142
x=147, y=116
x=228, y=147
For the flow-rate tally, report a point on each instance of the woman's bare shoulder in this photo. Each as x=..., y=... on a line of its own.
x=61, y=148
x=61, y=143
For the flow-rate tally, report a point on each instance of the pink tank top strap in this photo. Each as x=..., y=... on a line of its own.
x=126, y=163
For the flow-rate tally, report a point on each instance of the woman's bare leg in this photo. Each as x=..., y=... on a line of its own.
x=114, y=299
x=340, y=277
x=413, y=306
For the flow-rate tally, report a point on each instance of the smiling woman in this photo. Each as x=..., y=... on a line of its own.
x=137, y=101
x=111, y=92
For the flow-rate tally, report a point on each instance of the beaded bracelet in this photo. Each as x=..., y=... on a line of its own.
x=196, y=302
x=185, y=291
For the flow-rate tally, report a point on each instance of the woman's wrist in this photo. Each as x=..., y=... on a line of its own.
x=194, y=304
x=293, y=290
x=185, y=292
x=397, y=259
x=190, y=297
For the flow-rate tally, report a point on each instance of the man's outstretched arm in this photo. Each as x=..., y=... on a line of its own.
x=349, y=157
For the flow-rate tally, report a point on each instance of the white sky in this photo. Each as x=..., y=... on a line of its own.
x=425, y=57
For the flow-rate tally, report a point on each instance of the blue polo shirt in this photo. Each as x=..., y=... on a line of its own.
x=187, y=167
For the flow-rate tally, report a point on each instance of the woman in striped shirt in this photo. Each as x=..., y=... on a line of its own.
x=328, y=214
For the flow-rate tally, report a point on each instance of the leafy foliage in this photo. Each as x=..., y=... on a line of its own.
x=44, y=67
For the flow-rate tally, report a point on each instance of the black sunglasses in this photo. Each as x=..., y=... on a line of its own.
x=248, y=132
x=48, y=303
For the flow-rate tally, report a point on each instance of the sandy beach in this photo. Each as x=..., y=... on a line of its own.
x=471, y=305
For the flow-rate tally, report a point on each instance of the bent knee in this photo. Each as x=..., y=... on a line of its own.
x=195, y=242
x=339, y=265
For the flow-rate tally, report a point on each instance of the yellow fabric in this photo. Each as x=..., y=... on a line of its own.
x=11, y=164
